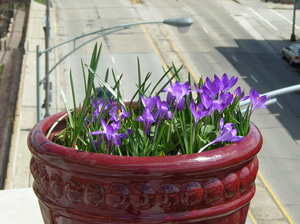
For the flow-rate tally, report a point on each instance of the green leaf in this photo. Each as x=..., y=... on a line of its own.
x=207, y=129
x=106, y=86
x=67, y=108
x=54, y=125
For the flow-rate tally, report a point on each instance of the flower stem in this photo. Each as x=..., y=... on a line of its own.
x=171, y=121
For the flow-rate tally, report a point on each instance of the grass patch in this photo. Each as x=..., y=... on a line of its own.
x=41, y=1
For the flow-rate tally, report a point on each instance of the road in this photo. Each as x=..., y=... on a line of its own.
x=242, y=38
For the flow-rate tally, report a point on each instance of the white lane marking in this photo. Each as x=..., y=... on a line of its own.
x=254, y=78
x=289, y=21
x=235, y=59
x=185, y=9
x=204, y=29
x=113, y=59
x=279, y=105
x=247, y=26
x=262, y=18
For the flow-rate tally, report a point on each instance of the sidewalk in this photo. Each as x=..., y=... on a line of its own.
x=263, y=209
x=18, y=173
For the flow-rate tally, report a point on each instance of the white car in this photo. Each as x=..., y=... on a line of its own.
x=292, y=53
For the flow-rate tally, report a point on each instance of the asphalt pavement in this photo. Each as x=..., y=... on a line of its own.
x=263, y=209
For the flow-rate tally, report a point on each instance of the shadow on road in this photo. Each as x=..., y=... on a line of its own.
x=262, y=67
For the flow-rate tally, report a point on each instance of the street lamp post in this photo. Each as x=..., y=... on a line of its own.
x=183, y=22
x=47, y=84
x=293, y=36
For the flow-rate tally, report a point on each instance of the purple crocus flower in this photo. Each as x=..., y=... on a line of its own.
x=209, y=104
x=206, y=100
x=110, y=135
x=97, y=105
x=149, y=103
x=113, y=113
x=214, y=86
x=163, y=110
x=210, y=88
x=116, y=114
x=227, y=134
x=223, y=101
x=256, y=100
x=179, y=97
x=198, y=112
x=124, y=114
x=226, y=83
x=239, y=94
x=177, y=93
x=148, y=119
x=170, y=91
x=205, y=90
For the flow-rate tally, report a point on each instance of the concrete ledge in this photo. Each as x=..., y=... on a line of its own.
x=19, y=206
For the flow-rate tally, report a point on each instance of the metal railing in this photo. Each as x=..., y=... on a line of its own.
x=272, y=94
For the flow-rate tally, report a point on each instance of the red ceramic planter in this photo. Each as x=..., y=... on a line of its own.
x=83, y=188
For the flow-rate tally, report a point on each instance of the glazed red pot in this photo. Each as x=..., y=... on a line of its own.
x=81, y=187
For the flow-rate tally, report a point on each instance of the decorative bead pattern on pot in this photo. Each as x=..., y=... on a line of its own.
x=213, y=190
x=244, y=179
x=253, y=170
x=231, y=186
x=168, y=196
x=73, y=191
x=192, y=194
x=143, y=196
x=118, y=196
x=57, y=185
x=94, y=195
x=44, y=178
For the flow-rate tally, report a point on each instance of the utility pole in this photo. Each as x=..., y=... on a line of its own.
x=293, y=36
x=47, y=83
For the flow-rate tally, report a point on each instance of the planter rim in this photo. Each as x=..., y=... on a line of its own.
x=216, y=159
